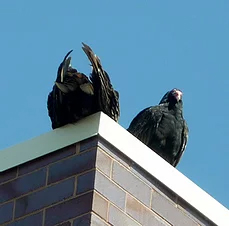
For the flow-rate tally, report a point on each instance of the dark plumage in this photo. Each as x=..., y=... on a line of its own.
x=71, y=97
x=107, y=99
x=163, y=128
x=75, y=96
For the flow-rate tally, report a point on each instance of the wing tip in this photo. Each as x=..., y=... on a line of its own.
x=69, y=52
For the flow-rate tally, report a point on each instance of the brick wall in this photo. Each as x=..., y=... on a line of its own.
x=89, y=183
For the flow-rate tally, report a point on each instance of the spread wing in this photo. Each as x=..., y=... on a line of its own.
x=63, y=67
x=106, y=97
x=71, y=97
x=55, y=102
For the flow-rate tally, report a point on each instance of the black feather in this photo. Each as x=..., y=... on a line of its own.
x=107, y=99
x=75, y=96
x=68, y=102
x=163, y=128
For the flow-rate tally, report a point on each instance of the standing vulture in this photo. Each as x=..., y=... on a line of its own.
x=163, y=128
x=75, y=96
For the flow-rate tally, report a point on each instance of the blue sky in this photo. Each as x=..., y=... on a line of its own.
x=147, y=47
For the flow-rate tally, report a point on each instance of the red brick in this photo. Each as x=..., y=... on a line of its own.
x=45, y=197
x=47, y=159
x=8, y=175
x=6, y=212
x=22, y=185
x=71, y=166
x=68, y=209
x=33, y=220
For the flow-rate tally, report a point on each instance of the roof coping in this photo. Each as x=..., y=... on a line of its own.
x=116, y=135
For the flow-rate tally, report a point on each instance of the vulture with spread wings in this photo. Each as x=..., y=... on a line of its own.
x=75, y=96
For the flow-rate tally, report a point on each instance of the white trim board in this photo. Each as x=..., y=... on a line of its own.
x=49, y=142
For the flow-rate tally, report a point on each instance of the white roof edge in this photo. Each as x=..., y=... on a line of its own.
x=163, y=171
x=111, y=131
x=49, y=142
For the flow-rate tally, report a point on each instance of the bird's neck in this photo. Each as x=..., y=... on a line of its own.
x=176, y=108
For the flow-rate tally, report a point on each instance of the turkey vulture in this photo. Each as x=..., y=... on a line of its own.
x=72, y=96
x=163, y=128
x=106, y=98
x=75, y=96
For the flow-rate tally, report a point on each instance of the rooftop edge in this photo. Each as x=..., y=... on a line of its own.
x=111, y=131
